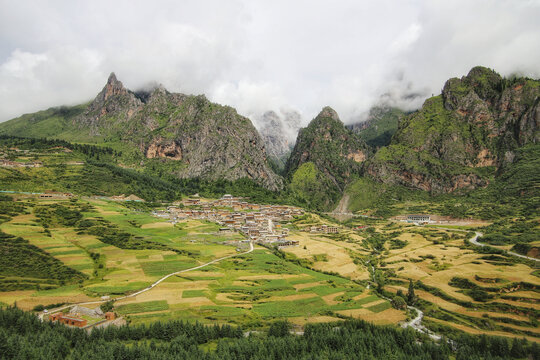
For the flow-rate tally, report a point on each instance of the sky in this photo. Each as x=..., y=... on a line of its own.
x=259, y=55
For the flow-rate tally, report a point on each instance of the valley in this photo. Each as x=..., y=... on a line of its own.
x=322, y=277
x=192, y=223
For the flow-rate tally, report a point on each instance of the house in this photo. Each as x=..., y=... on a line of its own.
x=55, y=195
x=419, y=218
x=72, y=321
x=331, y=230
x=110, y=315
x=68, y=320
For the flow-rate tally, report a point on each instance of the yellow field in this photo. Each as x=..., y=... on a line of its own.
x=337, y=253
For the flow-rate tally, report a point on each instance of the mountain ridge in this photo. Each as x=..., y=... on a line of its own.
x=184, y=132
x=460, y=139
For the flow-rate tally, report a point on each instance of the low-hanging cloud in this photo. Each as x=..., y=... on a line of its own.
x=259, y=56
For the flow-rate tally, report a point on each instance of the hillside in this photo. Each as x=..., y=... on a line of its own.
x=324, y=159
x=182, y=133
x=382, y=123
x=459, y=140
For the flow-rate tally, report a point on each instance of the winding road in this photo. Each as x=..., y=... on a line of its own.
x=474, y=241
x=40, y=315
x=416, y=323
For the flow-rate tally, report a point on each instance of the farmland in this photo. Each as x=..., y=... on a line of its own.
x=251, y=289
x=460, y=287
x=120, y=250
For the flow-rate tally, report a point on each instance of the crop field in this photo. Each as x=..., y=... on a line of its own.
x=115, y=270
x=118, y=251
x=256, y=288
x=250, y=289
x=463, y=289
x=457, y=287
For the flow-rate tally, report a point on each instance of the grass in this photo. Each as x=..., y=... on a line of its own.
x=193, y=294
x=380, y=307
x=116, y=289
x=143, y=307
x=161, y=268
x=311, y=306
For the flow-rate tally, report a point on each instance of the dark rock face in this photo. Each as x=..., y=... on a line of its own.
x=459, y=139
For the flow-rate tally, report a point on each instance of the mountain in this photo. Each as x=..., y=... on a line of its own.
x=378, y=128
x=279, y=133
x=326, y=156
x=462, y=138
x=188, y=135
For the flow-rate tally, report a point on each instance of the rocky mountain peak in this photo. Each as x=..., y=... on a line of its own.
x=113, y=98
x=328, y=112
x=113, y=87
x=271, y=119
x=330, y=152
x=480, y=82
x=460, y=140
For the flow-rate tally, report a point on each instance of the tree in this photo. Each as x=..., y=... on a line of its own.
x=279, y=329
x=411, y=297
x=380, y=279
x=107, y=306
x=398, y=302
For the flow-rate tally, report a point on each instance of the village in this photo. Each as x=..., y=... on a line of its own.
x=262, y=224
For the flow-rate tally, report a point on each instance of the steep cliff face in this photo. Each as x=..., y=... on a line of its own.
x=324, y=158
x=200, y=138
x=459, y=139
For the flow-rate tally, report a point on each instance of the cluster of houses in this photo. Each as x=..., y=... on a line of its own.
x=123, y=197
x=423, y=219
x=75, y=316
x=259, y=223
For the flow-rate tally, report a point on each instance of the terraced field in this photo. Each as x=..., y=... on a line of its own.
x=457, y=287
x=324, y=278
x=114, y=270
x=251, y=289
x=258, y=287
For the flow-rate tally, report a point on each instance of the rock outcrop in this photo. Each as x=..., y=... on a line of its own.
x=379, y=127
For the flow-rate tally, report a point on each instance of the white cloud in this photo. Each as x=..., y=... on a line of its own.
x=259, y=55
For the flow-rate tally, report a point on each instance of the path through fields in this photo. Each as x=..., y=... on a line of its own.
x=40, y=315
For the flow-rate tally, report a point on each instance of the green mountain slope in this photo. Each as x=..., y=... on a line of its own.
x=191, y=135
x=459, y=139
x=380, y=126
x=324, y=159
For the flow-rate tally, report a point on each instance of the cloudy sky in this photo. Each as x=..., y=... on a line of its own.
x=259, y=55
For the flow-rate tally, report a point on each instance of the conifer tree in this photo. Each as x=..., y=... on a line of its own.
x=411, y=297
